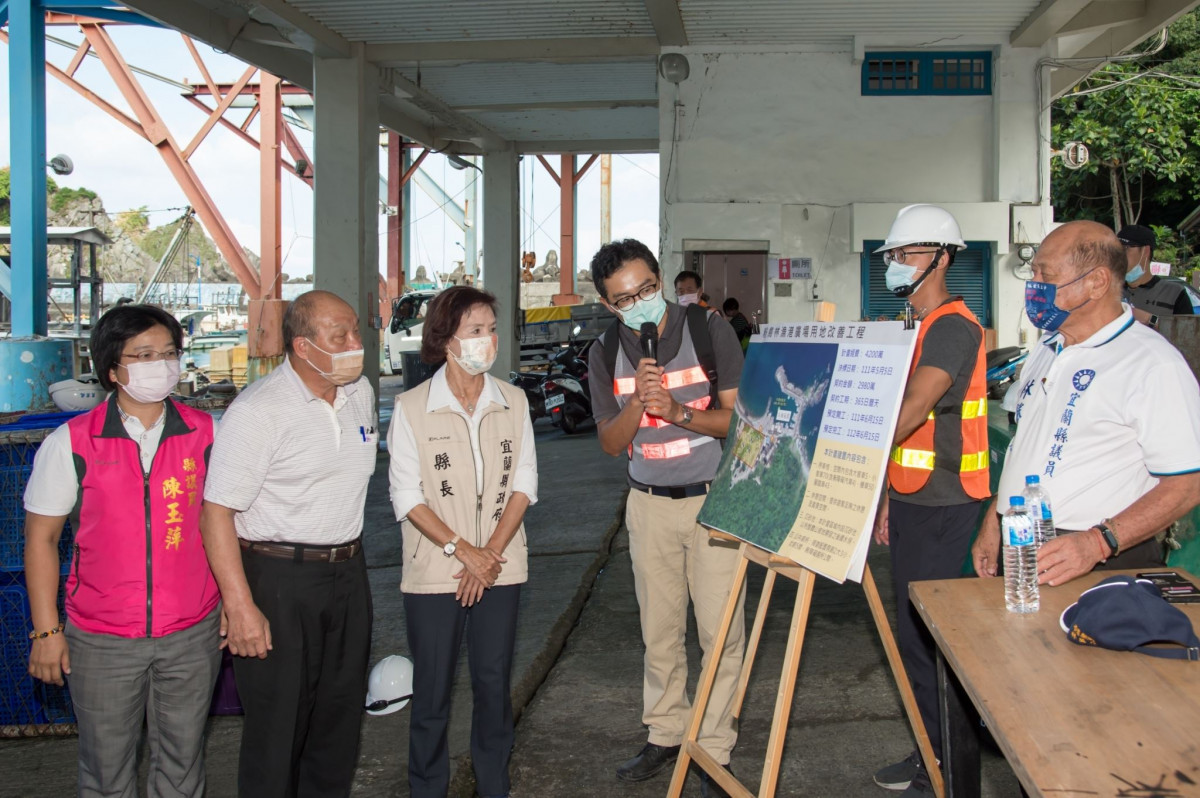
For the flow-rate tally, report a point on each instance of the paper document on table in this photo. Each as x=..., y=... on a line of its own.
x=809, y=441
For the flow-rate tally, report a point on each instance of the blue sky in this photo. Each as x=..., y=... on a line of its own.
x=127, y=173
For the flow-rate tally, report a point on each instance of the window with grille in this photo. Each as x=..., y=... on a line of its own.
x=924, y=73
x=970, y=277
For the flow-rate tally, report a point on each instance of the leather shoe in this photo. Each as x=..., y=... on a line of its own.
x=649, y=762
x=709, y=787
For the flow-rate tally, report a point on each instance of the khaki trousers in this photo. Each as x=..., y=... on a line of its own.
x=672, y=559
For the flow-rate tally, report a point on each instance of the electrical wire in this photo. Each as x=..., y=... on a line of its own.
x=1044, y=107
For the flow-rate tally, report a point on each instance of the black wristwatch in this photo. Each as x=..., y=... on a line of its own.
x=1154, y=322
x=1110, y=538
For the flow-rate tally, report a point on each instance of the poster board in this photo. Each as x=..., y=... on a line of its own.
x=809, y=441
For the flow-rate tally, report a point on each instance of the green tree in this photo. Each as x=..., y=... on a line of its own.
x=1138, y=122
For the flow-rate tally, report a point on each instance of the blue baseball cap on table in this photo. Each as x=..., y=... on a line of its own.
x=1127, y=614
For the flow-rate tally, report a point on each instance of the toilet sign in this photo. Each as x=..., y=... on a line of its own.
x=789, y=268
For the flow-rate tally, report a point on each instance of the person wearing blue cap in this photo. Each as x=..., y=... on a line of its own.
x=1152, y=296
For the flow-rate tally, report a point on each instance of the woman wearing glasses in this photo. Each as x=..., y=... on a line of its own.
x=140, y=640
x=463, y=472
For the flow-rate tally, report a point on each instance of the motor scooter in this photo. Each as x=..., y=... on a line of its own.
x=568, y=398
x=1003, y=365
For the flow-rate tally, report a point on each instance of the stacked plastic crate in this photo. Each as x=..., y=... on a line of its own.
x=27, y=707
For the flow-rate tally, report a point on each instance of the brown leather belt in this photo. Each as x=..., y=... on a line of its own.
x=303, y=553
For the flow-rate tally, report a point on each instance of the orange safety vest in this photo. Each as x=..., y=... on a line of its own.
x=912, y=461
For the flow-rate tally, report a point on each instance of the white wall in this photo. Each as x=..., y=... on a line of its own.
x=782, y=146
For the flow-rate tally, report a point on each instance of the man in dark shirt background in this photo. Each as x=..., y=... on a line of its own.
x=1152, y=296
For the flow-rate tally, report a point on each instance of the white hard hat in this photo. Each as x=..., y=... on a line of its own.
x=1011, y=397
x=82, y=394
x=390, y=685
x=923, y=224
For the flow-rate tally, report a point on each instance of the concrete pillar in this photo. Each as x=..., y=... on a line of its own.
x=346, y=190
x=501, y=251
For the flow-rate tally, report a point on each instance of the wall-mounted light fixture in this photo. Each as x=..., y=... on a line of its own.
x=674, y=67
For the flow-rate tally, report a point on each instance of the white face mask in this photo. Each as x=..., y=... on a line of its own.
x=688, y=299
x=151, y=382
x=478, y=354
x=347, y=366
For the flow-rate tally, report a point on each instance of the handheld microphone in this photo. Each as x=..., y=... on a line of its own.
x=649, y=341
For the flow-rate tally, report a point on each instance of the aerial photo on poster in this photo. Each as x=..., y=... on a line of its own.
x=808, y=443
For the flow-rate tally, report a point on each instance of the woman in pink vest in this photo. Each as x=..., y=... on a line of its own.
x=141, y=636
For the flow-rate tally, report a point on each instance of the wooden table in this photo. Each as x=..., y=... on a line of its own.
x=1071, y=720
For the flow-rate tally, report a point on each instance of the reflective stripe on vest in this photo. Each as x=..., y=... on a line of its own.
x=671, y=380
x=923, y=459
x=913, y=460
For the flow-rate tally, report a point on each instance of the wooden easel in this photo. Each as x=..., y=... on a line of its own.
x=692, y=751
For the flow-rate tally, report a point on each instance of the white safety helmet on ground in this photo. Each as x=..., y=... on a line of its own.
x=81, y=394
x=390, y=685
x=923, y=224
x=1011, y=397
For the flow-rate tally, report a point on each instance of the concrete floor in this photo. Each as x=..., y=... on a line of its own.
x=577, y=674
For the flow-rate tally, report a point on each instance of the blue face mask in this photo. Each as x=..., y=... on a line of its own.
x=645, y=310
x=899, y=275
x=1135, y=275
x=1040, y=307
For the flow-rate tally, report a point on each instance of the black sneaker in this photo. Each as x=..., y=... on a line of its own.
x=650, y=761
x=919, y=786
x=900, y=775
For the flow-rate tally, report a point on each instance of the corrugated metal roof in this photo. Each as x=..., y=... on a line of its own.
x=383, y=21
x=485, y=84
x=615, y=123
x=832, y=21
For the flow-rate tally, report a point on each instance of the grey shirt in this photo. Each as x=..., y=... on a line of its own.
x=726, y=349
x=701, y=466
x=952, y=345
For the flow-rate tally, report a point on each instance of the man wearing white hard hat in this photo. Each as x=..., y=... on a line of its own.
x=938, y=472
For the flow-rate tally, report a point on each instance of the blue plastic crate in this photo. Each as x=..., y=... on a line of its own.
x=17, y=705
x=16, y=464
x=23, y=699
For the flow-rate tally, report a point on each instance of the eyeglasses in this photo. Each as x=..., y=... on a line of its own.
x=150, y=356
x=899, y=255
x=626, y=302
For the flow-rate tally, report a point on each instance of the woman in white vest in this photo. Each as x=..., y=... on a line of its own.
x=463, y=471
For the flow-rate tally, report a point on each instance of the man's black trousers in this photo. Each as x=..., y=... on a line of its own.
x=436, y=624
x=926, y=543
x=304, y=702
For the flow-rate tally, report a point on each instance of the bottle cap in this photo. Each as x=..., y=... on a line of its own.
x=1016, y=501
x=1032, y=479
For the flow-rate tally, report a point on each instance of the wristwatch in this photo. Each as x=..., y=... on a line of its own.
x=1110, y=538
x=1154, y=322
x=687, y=416
x=451, y=547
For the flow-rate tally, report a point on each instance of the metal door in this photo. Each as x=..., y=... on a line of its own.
x=742, y=275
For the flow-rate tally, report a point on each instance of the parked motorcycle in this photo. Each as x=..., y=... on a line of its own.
x=531, y=384
x=1003, y=365
x=568, y=398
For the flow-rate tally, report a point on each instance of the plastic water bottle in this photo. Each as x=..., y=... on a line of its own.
x=1020, y=558
x=1037, y=504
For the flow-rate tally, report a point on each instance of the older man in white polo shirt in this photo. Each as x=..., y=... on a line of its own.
x=1108, y=417
x=282, y=524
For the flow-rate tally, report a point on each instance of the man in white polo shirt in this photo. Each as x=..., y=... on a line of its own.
x=282, y=525
x=1108, y=417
